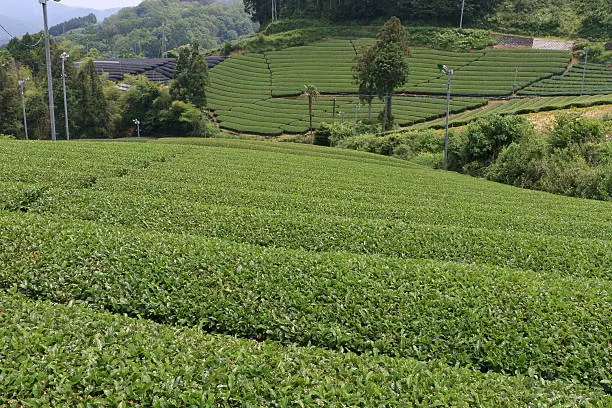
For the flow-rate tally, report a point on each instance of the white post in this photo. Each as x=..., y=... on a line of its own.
x=461, y=19
x=22, y=92
x=64, y=57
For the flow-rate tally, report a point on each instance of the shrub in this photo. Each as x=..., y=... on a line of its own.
x=574, y=128
x=517, y=163
x=487, y=136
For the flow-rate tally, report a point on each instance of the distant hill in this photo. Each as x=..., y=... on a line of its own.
x=156, y=26
x=26, y=16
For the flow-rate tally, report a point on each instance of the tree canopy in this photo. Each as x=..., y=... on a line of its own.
x=587, y=18
x=156, y=26
x=382, y=67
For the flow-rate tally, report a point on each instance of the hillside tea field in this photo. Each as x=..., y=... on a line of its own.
x=258, y=93
x=230, y=273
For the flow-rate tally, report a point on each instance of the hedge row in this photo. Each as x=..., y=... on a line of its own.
x=495, y=320
x=104, y=360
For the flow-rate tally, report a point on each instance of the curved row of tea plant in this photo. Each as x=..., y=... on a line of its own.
x=521, y=106
x=493, y=319
x=227, y=193
x=108, y=360
x=255, y=93
x=580, y=79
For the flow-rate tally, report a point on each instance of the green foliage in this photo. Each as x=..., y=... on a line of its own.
x=72, y=24
x=381, y=68
x=573, y=159
x=133, y=368
x=402, y=145
x=487, y=136
x=438, y=11
x=575, y=129
x=326, y=247
x=156, y=26
x=191, y=77
x=92, y=114
x=10, y=103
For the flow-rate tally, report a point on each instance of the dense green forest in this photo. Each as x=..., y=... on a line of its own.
x=585, y=18
x=97, y=108
x=156, y=26
x=73, y=24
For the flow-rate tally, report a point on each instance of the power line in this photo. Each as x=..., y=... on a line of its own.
x=6, y=31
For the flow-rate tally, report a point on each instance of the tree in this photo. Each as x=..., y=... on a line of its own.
x=9, y=102
x=382, y=67
x=191, y=77
x=364, y=75
x=311, y=92
x=92, y=116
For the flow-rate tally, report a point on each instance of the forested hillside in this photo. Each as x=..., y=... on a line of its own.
x=159, y=25
x=586, y=18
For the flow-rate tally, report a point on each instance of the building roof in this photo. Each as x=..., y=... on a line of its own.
x=155, y=69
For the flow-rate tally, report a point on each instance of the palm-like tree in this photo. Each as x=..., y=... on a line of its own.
x=311, y=92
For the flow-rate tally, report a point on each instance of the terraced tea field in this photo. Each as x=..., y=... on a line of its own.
x=259, y=92
x=580, y=79
x=230, y=273
x=520, y=106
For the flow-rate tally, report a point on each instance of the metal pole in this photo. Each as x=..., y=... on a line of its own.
x=448, y=97
x=586, y=58
x=49, y=74
x=462, y=8
x=64, y=56
x=334, y=111
x=25, y=119
x=137, y=123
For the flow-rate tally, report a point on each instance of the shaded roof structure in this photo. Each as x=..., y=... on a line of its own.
x=155, y=69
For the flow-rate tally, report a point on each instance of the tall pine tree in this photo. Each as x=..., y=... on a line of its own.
x=191, y=77
x=92, y=117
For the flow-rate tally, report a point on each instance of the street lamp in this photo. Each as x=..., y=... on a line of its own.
x=22, y=92
x=449, y=72
x=49, y=75
x=137, y=123
x=64, y=57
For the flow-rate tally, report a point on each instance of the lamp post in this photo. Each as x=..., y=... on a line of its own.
x=22, y=92
x=586, y=58
x=64, y=57
x=137, y=123
x=449, y=72
x=49, y=75
x=462, y=8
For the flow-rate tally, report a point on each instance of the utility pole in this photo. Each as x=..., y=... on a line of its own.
x=49, y=74
x=334, y=111
x=64, y=57
x=462, y=8
x=163, y=50
x=137, y=123
x=274, y=11
x=22, y=92
x=449, y=72
x=586, y=58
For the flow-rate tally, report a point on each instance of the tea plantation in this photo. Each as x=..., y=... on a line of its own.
x=258, y=93
x=226, y=273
